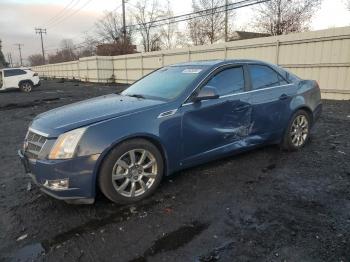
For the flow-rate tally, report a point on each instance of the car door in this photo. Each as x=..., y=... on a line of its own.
x=270, y=98
x=211, y=127
x=12, y=77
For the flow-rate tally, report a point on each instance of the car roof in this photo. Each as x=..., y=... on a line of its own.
x=219, y=62
x=22, y=68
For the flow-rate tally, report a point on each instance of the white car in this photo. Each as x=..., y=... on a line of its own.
x=22, y=78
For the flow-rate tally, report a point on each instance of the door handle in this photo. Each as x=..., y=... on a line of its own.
x=283, y=97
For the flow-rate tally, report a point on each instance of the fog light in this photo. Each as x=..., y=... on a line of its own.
x=59, y=184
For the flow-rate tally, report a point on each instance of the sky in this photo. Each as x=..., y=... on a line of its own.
x=18, y=18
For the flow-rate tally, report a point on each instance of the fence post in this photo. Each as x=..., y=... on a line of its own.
x=225, y=52
x=277, y=52
x=126, y=69
x=141, y=65
x=78, y=67
x=189, y=54
x=97, y=70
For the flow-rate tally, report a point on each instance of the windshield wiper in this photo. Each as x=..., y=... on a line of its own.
x=136, y=95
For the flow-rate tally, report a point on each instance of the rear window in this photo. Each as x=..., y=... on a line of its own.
x=263, y=76
x=14, y=72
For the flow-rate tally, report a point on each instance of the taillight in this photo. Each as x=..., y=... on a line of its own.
x=35, y=74
x=317, y=85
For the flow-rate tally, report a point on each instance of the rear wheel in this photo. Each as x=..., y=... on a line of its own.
x=131, y=171
x=26, y=86
x=298, y=131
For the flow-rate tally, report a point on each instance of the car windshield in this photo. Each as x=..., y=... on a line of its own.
x=166, y=83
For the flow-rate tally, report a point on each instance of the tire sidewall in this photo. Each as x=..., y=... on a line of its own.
x=26, y=82
x=105, y=173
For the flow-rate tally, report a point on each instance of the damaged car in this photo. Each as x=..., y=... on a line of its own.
x=176, y=117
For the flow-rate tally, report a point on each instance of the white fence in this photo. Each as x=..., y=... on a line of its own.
x=321, y=55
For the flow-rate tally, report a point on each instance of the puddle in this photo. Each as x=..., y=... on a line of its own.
x=28, y=253
x=173, y=240
x=119, y=215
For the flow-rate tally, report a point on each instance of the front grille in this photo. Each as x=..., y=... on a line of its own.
x=33, y=144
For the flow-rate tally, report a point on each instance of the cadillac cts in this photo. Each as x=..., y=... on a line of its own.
x=176, y=117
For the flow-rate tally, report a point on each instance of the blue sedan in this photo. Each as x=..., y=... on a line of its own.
x=174, y=118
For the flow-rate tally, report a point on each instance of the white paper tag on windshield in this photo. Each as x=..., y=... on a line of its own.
x=191, y=71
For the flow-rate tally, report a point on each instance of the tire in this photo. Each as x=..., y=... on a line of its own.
x=297, y=133
x=123, y=182
x=26, y=86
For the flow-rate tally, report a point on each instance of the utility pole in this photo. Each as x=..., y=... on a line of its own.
x=9, y=58
x=226, y=20
x=20, y=53
x=124, y=26
x=41, y=31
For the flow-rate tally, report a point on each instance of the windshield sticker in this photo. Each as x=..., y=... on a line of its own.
x=191, y=71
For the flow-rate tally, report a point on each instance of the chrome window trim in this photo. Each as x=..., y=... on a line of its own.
x=204, y=78
x=246, y=92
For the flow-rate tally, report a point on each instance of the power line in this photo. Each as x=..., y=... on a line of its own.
x=51, y=48
x=189, y=16
x=69, y=16
x=198, y=14
x=61, y=12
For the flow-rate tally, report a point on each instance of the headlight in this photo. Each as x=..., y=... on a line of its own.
x=66, y=144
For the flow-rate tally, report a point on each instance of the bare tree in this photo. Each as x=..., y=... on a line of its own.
x=88, y=47
x=110, y=29
x=146, y=14
x=35, y=60
x=168, y=32
x=196, y=31
x=209, y=26
x=279, y=17
x=65, y=54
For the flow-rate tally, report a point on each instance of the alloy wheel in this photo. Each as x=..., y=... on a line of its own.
x=27, y=87
x=134, y=173
x=299, y=131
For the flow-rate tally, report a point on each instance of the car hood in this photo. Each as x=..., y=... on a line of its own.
x=63, y=119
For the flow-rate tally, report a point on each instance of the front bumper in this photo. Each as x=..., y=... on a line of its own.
x=317, y=112
x=79, y=171
x=38, y=84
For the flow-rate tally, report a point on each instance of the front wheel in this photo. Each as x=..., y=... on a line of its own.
x=131, y=171
x=26, y=86
x=298, y=131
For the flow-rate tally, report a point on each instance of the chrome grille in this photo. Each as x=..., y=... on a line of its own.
x=33, y=144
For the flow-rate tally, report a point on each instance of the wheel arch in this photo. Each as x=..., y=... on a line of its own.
x=307, y=110
x=25, y=80
x=150, y=138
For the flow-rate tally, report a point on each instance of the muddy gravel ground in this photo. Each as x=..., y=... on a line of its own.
x=263, y=205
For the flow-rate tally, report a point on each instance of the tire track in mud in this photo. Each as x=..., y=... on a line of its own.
x=36, y=102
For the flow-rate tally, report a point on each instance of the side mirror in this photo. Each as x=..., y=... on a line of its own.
x=206, y=93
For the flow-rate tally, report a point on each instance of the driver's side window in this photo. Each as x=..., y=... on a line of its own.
x=228, y=81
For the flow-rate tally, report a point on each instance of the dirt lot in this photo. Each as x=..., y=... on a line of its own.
x=264, y=205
